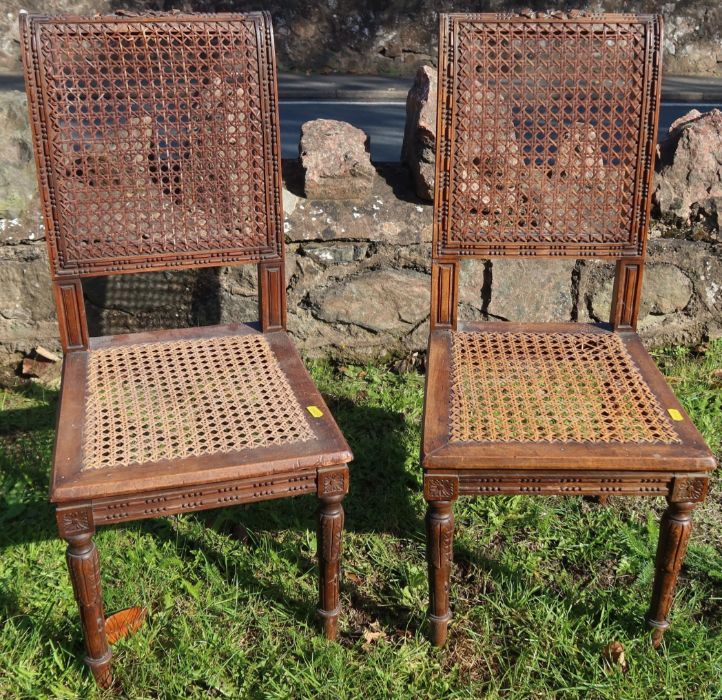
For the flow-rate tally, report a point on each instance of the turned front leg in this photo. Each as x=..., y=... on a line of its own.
x=332, y=487
x=76, y=527
x=675, y=529
x=439, y=553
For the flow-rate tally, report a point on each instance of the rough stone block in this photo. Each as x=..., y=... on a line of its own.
x=419, y=147
x=688, y=182
x=27, y=310
x=19, y=208
x=336, y=160
x=383, y=216
x=381, y=301
x=665, y=290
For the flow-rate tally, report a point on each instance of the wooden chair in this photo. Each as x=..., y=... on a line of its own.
x=157, y=148
x=545, y=144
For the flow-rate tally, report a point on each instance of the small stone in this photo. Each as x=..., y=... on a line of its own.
x=338, y=252
x=45, y=354
x=419, y=147
x=336, y=160
x=46, y=373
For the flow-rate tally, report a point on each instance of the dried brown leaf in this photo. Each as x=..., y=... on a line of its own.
x=124, y=623
x=614, y=658
x=373, y=634
x=371, y=637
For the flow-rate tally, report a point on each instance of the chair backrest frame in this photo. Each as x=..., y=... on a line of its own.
x=157, y=147
x=481, y=187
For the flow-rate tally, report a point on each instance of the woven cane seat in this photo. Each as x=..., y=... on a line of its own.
x=168, y=400
x=193, y=401
x=568, y=389
x=551, y=387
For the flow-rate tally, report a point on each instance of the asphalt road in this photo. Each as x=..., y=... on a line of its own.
x=384, y=121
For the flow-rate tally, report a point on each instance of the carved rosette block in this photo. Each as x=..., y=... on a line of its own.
x=439, y=552
x=674, y=533
x=690, y=489
x=333, y=481
x=332, y=487
x=76, y=526
x=441, y=487
x=74, y=521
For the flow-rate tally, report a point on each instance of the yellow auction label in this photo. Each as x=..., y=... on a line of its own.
x=675, y=414
x=315, y=411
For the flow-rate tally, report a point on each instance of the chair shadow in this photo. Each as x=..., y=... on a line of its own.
x=489, y=567
x=23, y=420
x=379, y=501
x=398, y=177
x=377, y=479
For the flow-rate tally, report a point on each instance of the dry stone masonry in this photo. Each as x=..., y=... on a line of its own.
x=394, y=36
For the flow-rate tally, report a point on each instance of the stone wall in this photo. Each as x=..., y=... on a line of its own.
x=394, y=36
x=357, y=273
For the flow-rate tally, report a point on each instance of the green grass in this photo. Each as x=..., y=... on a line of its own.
x=540, y=585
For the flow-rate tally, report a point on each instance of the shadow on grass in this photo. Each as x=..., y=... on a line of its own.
x=474, y=570
x=379, y=498
x=14, y=421
x=379, y=501
x=384, y=498
x=241, y=571
x=26, y=440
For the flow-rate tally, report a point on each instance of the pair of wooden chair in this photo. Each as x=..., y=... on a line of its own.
x=157, y=148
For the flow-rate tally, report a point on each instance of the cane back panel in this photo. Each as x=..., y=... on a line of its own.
x=156, y=140
x=546, y=131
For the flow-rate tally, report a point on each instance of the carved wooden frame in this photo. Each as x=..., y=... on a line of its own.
x=448, y=472
x=67, y=279
x=448, y=486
